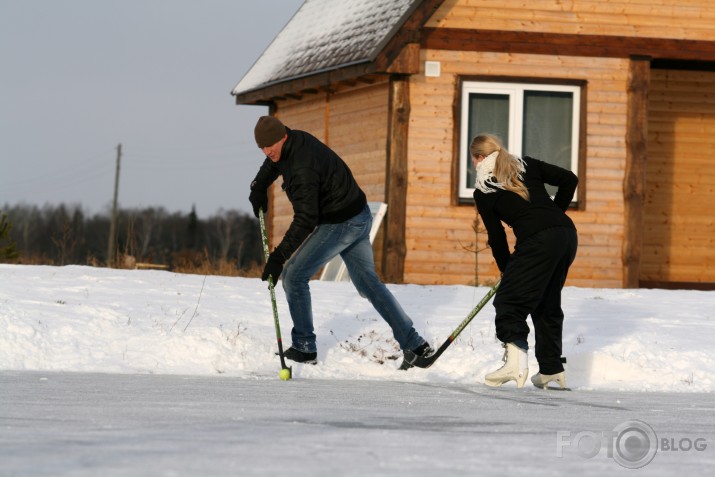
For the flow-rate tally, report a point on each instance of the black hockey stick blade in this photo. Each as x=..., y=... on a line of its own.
x=427, y=361
x=411, y=359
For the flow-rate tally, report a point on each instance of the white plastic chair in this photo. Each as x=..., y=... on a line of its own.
x=335, y=270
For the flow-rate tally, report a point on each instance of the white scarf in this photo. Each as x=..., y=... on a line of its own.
x=486, y=182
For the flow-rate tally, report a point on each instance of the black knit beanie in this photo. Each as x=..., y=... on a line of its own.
x=269, y=130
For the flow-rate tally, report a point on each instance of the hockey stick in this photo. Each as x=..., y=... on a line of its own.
x=427, y=361
x=271, y=287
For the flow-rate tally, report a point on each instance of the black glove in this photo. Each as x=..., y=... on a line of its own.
x=274, y=267
x=258, y=199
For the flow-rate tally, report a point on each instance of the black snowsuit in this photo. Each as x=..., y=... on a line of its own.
x=534, y=275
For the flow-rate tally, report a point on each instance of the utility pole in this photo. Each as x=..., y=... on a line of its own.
x=113, y=222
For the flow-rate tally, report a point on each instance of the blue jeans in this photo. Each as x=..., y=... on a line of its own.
x=351, y=240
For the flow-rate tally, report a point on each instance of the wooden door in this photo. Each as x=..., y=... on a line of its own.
x=679, y=221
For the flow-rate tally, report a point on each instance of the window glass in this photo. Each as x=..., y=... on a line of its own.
x=487, y=112
x=538, y=120
x=547, y=131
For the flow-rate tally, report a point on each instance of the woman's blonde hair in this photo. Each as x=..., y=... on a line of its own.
x=507, y=168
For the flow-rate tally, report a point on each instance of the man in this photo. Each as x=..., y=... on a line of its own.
x=330, y=217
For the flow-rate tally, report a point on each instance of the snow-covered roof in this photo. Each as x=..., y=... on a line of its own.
x=325, y=35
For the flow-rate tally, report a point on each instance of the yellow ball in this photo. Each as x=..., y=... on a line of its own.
x=284, y=374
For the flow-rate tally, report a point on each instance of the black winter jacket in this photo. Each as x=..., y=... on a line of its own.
x=319, y=185
x=526, y=218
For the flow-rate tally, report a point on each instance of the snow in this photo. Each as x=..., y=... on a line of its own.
x=168, y=374
x=102, y=320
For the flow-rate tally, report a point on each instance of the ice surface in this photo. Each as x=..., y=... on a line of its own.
x=127, y=372
x=84, y=424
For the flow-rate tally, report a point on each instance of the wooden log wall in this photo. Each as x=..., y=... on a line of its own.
x=674, y=19
x=307, y=115
x=352, y=120
x=440, y=234
x=679, y=222
x=680, y=119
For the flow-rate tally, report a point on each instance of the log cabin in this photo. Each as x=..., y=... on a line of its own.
x=622, y=92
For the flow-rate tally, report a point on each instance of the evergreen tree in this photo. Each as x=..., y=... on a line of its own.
x=7, y=245
x=193, y=229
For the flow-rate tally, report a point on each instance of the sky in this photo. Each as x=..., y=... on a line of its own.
x=80, y=77
x=134, y=372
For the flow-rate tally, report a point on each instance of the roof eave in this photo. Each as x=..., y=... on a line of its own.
x=404, y=62
x=305, y=84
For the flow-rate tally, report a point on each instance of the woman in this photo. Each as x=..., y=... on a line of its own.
x=511, y=190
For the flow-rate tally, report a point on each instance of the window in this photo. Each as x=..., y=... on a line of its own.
x=537, y=120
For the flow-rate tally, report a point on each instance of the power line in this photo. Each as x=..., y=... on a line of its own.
x=92, y=165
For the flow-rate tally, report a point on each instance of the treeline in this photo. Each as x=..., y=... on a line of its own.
x=65, y=235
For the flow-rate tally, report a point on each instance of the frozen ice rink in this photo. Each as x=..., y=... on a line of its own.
x=84, y=424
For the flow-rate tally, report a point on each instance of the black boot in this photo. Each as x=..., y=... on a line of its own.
x=300, y=356
x=423, y=350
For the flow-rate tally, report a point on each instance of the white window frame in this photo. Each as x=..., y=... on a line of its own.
x=515, y=92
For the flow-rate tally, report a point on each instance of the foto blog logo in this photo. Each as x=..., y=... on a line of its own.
x=633, y=444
